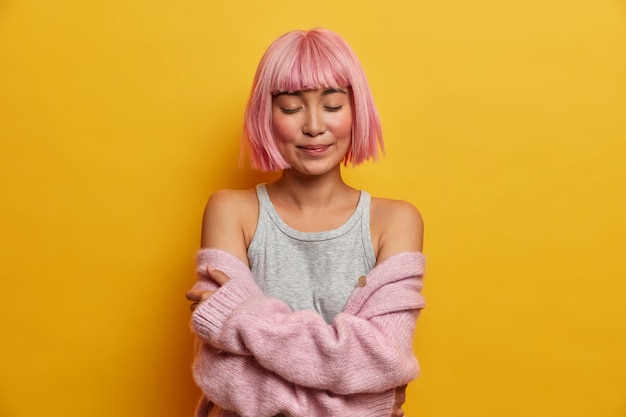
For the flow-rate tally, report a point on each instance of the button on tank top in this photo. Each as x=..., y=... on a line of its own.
x=311, y=270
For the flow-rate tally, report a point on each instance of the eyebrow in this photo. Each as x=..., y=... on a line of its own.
x=334, y=90
x=324, y=93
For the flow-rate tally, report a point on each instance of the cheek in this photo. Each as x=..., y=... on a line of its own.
x=342, y=128
x=282, y=129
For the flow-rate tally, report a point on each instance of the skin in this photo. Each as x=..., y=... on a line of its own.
x=312, y=130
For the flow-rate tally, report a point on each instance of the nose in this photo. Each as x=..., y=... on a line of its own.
x=314, y=124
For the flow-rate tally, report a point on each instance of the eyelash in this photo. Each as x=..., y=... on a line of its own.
x=289, y=111
x=327, y=108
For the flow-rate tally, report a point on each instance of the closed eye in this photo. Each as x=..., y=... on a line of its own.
x=290, y=111
x=333, y=108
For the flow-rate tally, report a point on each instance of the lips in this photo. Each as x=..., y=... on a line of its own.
x=314, y=148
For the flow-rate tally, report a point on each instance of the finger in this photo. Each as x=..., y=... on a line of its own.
x=218, y=276
x=195, y=295
x=198, y=297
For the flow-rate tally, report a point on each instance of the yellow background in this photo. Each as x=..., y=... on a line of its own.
x=505, y=124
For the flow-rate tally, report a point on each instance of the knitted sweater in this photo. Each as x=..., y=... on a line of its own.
x=258, y=358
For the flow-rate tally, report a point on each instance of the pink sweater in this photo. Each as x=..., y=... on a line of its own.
x=259, y=358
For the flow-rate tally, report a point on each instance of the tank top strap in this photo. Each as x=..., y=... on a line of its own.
x=264, y=198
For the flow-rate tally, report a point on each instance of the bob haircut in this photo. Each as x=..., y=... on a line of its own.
x=307, y=60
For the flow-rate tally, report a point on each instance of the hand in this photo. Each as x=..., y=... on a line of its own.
x=198, y=296
x=400, y=398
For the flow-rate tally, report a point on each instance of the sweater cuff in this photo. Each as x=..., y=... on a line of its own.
x=210, y=316
x=381, y=404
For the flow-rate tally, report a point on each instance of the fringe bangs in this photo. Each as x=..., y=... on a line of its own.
x=313, y=65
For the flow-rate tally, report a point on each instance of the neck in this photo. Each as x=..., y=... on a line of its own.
x=304, y=191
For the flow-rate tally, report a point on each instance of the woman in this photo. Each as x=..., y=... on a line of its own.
x=309, y=289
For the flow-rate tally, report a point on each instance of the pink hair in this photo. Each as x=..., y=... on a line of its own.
x=306, y=60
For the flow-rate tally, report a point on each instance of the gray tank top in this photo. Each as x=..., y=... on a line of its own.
x=311, y=270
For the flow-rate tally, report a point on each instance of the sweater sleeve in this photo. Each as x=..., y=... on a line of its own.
x=238, y=383
x=367, y=348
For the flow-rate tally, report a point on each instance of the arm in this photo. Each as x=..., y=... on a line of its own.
x=368, y=348
x=396, y=226
x=240, y=384
x=229, y=222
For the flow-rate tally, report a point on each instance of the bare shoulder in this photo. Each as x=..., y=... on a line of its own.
x=229, y=221
x=229, y=199
x=396, y=226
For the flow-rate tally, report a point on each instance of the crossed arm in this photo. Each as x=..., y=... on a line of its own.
x=366, y=353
